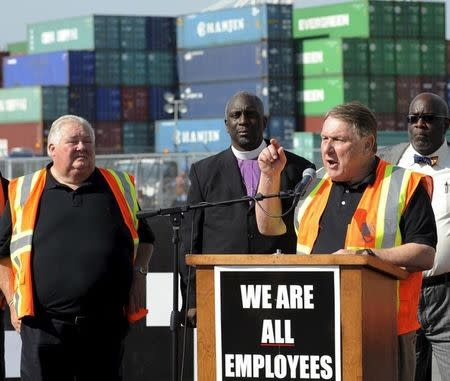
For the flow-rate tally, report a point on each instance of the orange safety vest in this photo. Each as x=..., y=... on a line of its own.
x=375, y=224
x=24, y=195
x=2, y=198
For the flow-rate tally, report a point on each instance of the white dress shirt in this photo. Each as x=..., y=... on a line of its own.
x=440, y=173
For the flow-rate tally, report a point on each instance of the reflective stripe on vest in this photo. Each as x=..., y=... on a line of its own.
x=25, y=194
x=375, y=224
x=122, y=185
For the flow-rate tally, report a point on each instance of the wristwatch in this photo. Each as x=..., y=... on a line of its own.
x=140, y=269
x=366, y=252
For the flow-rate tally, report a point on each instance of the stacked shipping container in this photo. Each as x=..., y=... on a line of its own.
x=380, y=53
x=239, y=49
x=104, y=68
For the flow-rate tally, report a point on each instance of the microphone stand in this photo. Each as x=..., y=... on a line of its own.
x=176, y=215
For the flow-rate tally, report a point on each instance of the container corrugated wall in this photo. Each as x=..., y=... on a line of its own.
x=194, y=135
x=206, y=100
x=256, y=59
x=50, y=69
x=406, y=54
x=233, y=26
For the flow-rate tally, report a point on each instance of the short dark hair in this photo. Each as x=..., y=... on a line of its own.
x=357, y=115
x=245, y=94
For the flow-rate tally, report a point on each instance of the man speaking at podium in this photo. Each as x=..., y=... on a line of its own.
x=233, y=174
x=362, y=205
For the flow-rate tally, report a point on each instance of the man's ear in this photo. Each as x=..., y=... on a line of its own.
x=50, y=149
x=370, y=144
x=264, y=122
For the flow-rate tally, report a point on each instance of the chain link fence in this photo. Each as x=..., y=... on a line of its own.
x=161, y=180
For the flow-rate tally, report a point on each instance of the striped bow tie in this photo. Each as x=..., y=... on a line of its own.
x=431, y=161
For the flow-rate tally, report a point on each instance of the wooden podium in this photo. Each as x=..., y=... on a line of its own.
x=368, y=304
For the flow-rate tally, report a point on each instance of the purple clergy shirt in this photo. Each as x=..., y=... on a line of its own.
x=250, y=175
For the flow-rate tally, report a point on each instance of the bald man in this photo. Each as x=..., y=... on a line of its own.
x=428, y=152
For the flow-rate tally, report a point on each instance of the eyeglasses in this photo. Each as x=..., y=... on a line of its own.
x=427, y=118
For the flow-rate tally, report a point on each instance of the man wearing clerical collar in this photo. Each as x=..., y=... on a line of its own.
x=232, y=174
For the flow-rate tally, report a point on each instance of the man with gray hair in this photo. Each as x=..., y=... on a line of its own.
x=361, y=206
x=73, y=260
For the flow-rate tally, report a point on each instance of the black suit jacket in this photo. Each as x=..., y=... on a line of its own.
x=232, y=229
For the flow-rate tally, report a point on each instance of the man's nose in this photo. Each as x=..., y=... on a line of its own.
x=326, y=146
x=243, y=118
x=421, y=123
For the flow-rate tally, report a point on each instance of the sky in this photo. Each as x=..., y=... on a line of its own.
x=16, y=14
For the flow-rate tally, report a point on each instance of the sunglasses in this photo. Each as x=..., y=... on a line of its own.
x=427, y=118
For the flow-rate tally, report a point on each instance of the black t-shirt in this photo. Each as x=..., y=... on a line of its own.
x=82, y=249
x=417, y=225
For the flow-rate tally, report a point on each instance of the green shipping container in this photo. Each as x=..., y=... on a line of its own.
x=55, y=102
x=318, y=57
x=133, y=68
x=381, y=19
x=307, y=145
x=336, y=20
x=407, y=19
x=162, y=70
x=389, y=138
x=107, y=68
x=382, y=94
x=132, y=33
x=20, y=104
x=317, y=95
x=432, y=20
x=16, y=48
x=434, y=53
x=382, y=56
x=76, y=33
x=408, y=57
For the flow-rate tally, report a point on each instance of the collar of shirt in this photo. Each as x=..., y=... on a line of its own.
x=407, y=159
x=249, y=155
x=51, y=182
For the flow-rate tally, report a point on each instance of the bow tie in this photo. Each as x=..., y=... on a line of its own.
x=431, y=161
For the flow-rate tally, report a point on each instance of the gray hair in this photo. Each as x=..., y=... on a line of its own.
x=358, y=116
x=54, y=135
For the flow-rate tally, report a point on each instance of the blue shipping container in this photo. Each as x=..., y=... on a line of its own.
x=234, y=25
x=157, y=102
x=243, y=61
x=160, y=33
x=281, y=128
x=108, y=103
x=203, y=135
x=208, y=100
x=50, y=69
x=82, y=101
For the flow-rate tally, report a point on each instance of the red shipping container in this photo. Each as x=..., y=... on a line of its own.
x=108, y=138
x=407, y=87
x=29, y=136
x=310, y=123
x=386, y=121
x=436, y=85
x=135, y=103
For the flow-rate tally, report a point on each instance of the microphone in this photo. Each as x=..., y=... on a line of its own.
x=309, y=174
